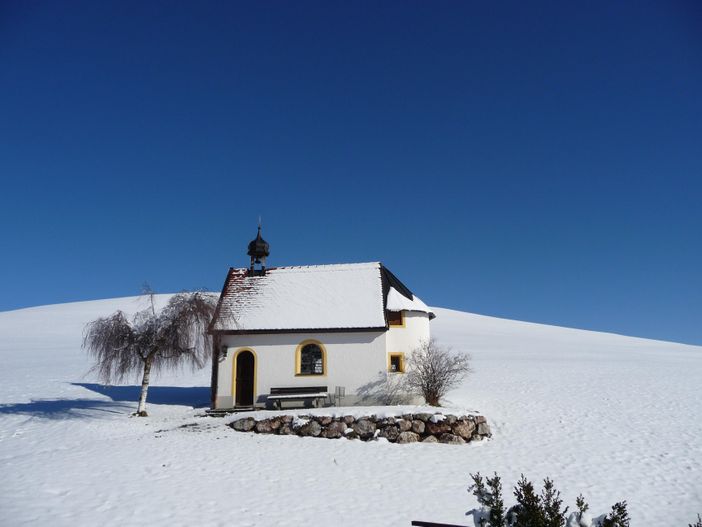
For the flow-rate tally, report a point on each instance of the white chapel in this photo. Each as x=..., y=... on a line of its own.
x=310, y=335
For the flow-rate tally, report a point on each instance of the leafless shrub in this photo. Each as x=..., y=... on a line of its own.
x=434, y=370
x=152, y=340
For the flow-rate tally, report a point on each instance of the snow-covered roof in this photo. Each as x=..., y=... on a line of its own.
x=396, y=301
x=339, y=296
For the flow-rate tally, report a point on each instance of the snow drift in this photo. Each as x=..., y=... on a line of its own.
x=610, y=416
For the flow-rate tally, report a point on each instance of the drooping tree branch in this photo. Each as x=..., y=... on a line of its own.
x=112, y=342
x=152, y=340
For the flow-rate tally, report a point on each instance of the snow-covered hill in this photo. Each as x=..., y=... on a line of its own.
x=612, y=417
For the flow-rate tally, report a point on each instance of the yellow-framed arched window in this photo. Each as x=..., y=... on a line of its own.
x=310, y=358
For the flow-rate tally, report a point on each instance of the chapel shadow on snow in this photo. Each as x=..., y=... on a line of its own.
x=195, y=396
x=122, y=399
x=65, y=408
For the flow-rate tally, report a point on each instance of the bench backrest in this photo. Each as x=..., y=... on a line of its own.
x=298, y=389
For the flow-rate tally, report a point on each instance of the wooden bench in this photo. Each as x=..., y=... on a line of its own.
x=302, y=393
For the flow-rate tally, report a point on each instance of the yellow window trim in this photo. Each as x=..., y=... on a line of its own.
x=404, y=321
x=402, y=362
x=298, y=359
x=236, y=354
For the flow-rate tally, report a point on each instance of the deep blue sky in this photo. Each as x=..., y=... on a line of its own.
x=536, y=161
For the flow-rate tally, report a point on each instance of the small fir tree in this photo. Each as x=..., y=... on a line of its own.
x=497, y=505
x=581, y=504
x=534, y=510
x=619, y=517
x=478, y=488
x=529, y=511
x=552, y=503
x=579, y=516
x=490, y=497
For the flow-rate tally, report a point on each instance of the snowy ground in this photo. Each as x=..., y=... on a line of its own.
x=612, y=417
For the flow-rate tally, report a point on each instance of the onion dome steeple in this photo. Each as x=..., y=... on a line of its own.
x=258, y=251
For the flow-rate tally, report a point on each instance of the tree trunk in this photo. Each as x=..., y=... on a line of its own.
x=431, y=398
x=141, y=410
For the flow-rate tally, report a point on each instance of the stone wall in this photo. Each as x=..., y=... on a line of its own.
x=408, y=428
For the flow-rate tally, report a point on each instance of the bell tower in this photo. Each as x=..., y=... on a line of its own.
x=258, y=251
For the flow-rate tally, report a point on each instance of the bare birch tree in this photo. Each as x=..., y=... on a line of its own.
x=152, y=340
x=434, y=370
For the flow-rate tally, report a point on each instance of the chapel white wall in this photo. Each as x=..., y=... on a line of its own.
x=405, y=339
x=352, y=361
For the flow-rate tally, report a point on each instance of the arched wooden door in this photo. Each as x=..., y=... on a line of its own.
x=244, y=375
